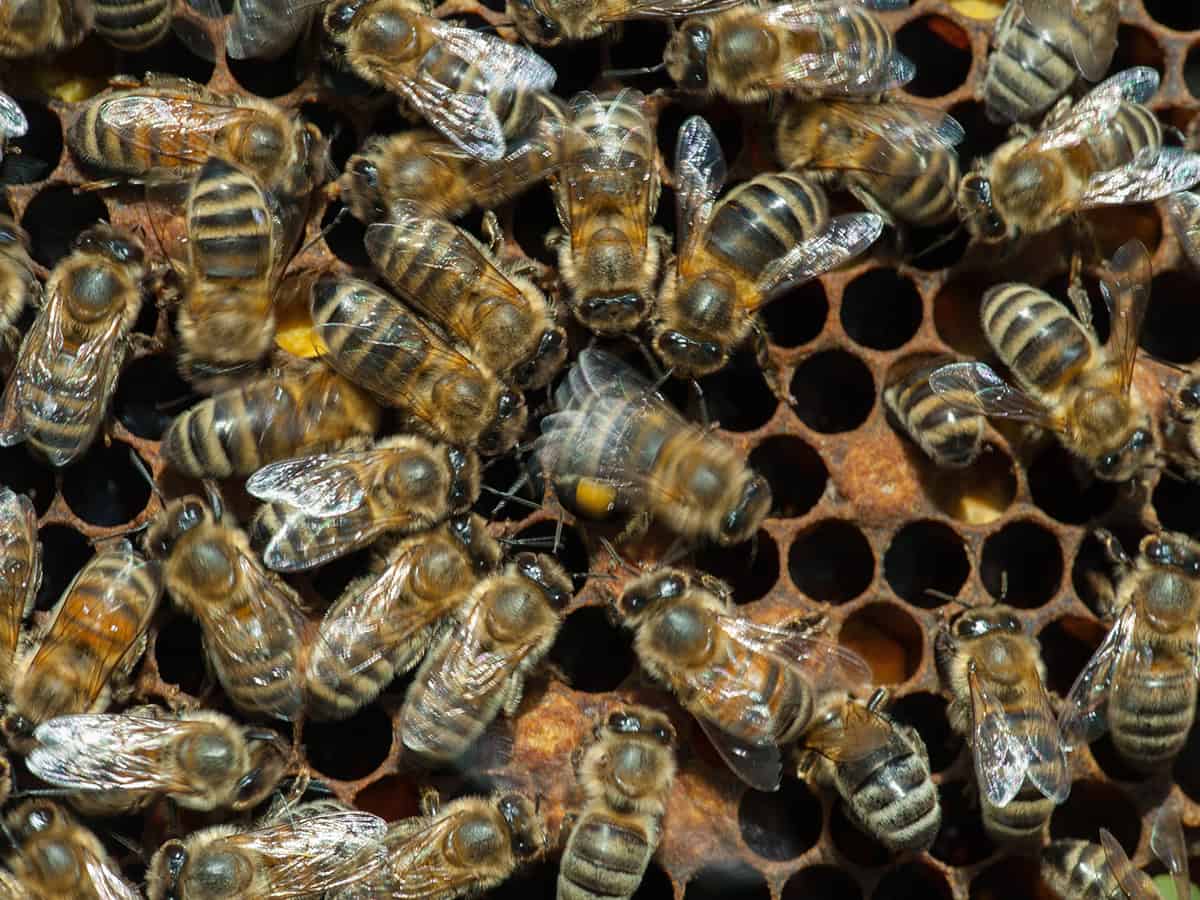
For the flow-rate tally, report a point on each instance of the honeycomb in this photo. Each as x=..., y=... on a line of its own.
x=863, y=527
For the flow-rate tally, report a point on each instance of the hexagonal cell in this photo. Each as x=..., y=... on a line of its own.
x=962, y=840
x=978, y=494
x=1172, y=326
x=726, y=881
x=69, y=550
x=593, y=653
x=1063, y=489
x=105, y=487
x=336, y=128
x=935, y=37
x=881, y=309
x=782, y=825
x=860, y=849
x=25, y=475
x=174, y=55
x=509, y=474
x=1186, y=770
x=831, y=561
x=751, y=570
x=738, y=397
x=269, y=77
x=350, y=749
x=1011, y=877
x=797, y=316
x=35, y=155
x=178, y=650
x=1094, y=805
x=1179, y=16
x=1177, y=503
x=926, y=557
x=656, y=885
x=829, y=411
x=1138, y=47
x=1091, y=573
x=1191, y=70
x=927, y=713
x=55, y=217
x=149, y=395
x=1067, y=644
x=912, y=880
x=345, y=239
x=1022, y=565
x=824, y=882
x=794, y=470
x=888, y=638
x=392, y=797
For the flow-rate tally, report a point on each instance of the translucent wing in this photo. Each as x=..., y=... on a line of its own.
x=758, y=765
x=13, y=123
x=1185, y=217
x=840, y=240
x=105, y=878
x=1090, y=28
x=1095, y=109
x=853, y=734
x=699, y=176
x=1168, y=843
x=1125, y=284
x=824, y=664
x=1168, y=171
x=974, y=387
x=1001, y=761
x=324, y=485
x=19, y=576
x=419, y=868
x=1135, y=883
x=1084, y=715
x=165, y=124
x=1039, y=736
x=893, y=138
x=530, y=157
x=667, y=9
x=508, y=66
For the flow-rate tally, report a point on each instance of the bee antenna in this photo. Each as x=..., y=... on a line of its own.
x=8, y=835
x=145, y=473
x=513, y=497
x=129, y=845
x=939, y=243
x=948, y=598
x=618, y=558
x=628, y=73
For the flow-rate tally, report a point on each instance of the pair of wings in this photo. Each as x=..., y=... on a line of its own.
x=699, y=176
x=853, y=734
x=20, y=567
x=1169, y=845
x=13, y=123
x=623, y=10
x=1087, y=27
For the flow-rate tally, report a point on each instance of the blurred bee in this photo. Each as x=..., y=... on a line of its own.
x=132, y=25
x=448, y=276
x=249, y=617
x=881, y=771
x=626, y=777
x=616, y=450
x=166, y=128
x=265, y=29
x=19, y=286
x=1185, y=217
x=20, y=576
x=747, y=53
x=751, y=687
x=69, y=361
x=550, y=22
x=36, y=28
x=1070, y=384
x=1038, y=46
x=383, y=623
x=13, y=124
x=95, y=636
x=897, y=158
x=242, y=429
x=462, y=849
x=606, y=191
x=949, y=436
x=295, y=851
x=442, y=390
x=117, y=764
x=326, y=505
x=1181, y=431
x=727, y=266
x=54, y=856
x=996, y=676
x=474, y=88
x=478, y=665
x=1104, y=150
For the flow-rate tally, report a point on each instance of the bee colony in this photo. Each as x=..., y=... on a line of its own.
x=411, y=406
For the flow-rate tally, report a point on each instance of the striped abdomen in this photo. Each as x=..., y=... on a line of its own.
x=605, y=857
x=1127, y=132
x=1026, y=73
x=925, y=199
x=1035, y=336
x=303, y=541
x=409, y=267
x=229, y=225
x=1022, y=819
x=1078, y=870
x=890, y=793
x=948, y=435
x=1151, y=707
x=137, y=148
x=513, y=107
x=20, y=574
x=133, y=24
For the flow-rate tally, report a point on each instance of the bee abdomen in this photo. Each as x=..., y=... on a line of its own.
x=267, y=681
x=1025, y=73
x=925, y=199
x=132, y=24
x=1022, y=819
x=948, y=435
x=891, y=793
x=761, y=220
x=229, y=223
x=1079, y=870
x=1130, y=130
x=604, y=858
x=1035, y=335
x=1150, y=717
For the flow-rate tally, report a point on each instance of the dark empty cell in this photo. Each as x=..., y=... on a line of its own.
x=1067, y=645
x=831, y=562
x=1138, y=47
x=26, y=475
x=593, y=654
x=149, y=395
x=578, y=64
x=331, y=579
x=336, y=129
x=933, y=248
x=750, y=569
x=956, y=316
x=798, y=316
x=861, y=849
x=64, y=552
x=1112, y=764
x=1179, y=16
x=269, y=77
x=533, y=220
x=924, y=557
x=1063, y=489
x=821, y=883
x=982, y=134
x=538, y=880
x=888, y=638
x=570, y=552
x=179, y=652
x=1191, y=70
x=392, y=797
x=727, y=881
x=656, y=885
x=174, y=55
x=345, y=239
x=56, y=216
x=912, y=881
x=35, y=155
x=881, y=309
x=1177, y=503
x=795, y=472
x=977, y=494
x=738, y=397
x=927, y=714
x=1012, y=877
x=510, y=475
x=105, y=487
x=1094, y=805
x=961, y=840
x=1187, y=766
x=834, y=391
x=1022, y=565
x=1092, y=572
x=639, y=46
x=350, y=749
x=1172, y=327
x=781, y=825
x=932, y=37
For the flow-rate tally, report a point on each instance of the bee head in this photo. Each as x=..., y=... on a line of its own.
x=548, y=575
x=981, y=621
x=546, y=360
x=645, y=594
x=525, y=827
x=1187, y=399
x=1124, y=462
x=106, y=241
x=359, y=188
x=179, y=517
x=977, y=209
x=535, y=26
x=507, y=424
x=612, y=313
x=686, y=55
x=464, y=478
x=167, y=867
x=750, y=508
x=340, y=16
x=642, y=721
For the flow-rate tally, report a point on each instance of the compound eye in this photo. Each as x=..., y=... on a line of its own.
x=1108, y=463
x=1140, y=439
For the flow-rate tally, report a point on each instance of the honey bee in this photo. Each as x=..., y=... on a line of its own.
x=383, y=623
x=550, y=22
x=1181, y=433
x=55, y=856
x=1185, y=217
x=30, y=28
x=133, y=25
x=69, y=361
x=626, y=777
x=606, y=191
x=478, y=665
x=120, y=763
x=95, y=636
x=295, y=851
x=265, y=29
x=249, y=617
x=244, y=428
x=1069, y=384
x=1104, y=150
x=474, y=88
x=20, y=575
x=752, y=687
x=441, y=390
x=946, y=433
x=444, y=273
x=166, y=128
x=13, y=124
x=747, y=53
x=326, y=505
x=727, y=269
x=881, y=771
x=897, y=158
x=1039, y=46
x=462, y=849
x=616, y=450
x=19, y=286
x=996, y=677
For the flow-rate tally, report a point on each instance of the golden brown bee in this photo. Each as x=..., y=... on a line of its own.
x=383, y=623
x=996, y=676
x=165, y=127
x=95, y=636
x=478, y=665
x=444, y=273
x=462, y=849
x=55, y=856
x=242, y=429
x=69, y=361
x=749, y=52
x=897, y=158
x=120, y=763
x=19, y=286
x=439, y=388
x=324, y=506
x=550, y=22
x=36, y=28
x=20, y=575
x=615, y=449
x=474, y=88
x=626, y=777
x=881, y=771
x=946, y=433
x=752, y=687
x=295, y=851
x=762, y=238
x=606, y=191
x=1039, y=46
x=1069, y=384
x=249, y=617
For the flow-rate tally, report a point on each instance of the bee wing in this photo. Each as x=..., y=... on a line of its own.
x=1090, y=28
x=1135, y=883
x=105, y=878
x=1170, y=846
x=899, y=137
x=824, y=664
x=1160, y=173
x=1125, y=284
x=758, y=765
x=840, y=240
x=1185, y=217
x=1001, y=759
x=1084, y=715
x=419, y=868
x=699, y=176
x=34, y=368
x=474, y=670
x=162, y=123
x=18, y=527
x=1048, y=769
x=530, y=157
x=974, y=387
x=13, y=123
x=853, y=734
x=666, y=9
x=1095, y=109
x=323, y=485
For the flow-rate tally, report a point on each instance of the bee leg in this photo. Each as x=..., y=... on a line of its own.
x=635, y=527
x=771, y=373
x=493, y=234
x=516, y=690
x=430, y=801
x=105, y=184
